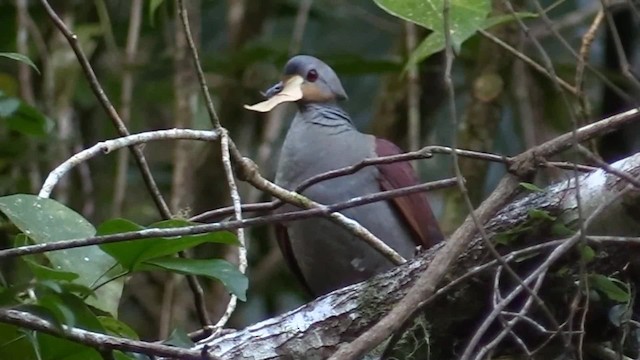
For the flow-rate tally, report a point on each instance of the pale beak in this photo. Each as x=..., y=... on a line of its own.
x=289, y=90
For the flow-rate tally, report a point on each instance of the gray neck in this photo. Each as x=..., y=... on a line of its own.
x=325, y=115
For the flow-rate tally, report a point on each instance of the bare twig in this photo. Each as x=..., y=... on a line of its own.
x=229, y=225
x=105, y=147
x=96, y=340
x=237, y=207
x=413, y=89
x=565, y=85
x=423, y=153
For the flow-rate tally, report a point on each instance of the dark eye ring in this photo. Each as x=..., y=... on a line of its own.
x=312, y=75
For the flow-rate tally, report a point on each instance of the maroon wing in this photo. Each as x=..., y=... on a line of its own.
x=414, y=209
x=285, y=247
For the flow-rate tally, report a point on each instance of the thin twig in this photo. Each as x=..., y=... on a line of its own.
x=237, y=207
x=194, y=285
x=213, y=116
x=248, y=171
x=96, y=340
x=413, y=89
x=105, y=147
x=229, y=225
x=423, y=153
x=97, y=89
x=565, y=85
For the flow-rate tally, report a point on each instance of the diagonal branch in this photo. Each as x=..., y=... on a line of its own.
x=109, y=109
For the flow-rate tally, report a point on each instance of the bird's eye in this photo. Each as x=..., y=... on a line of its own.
x=312, y=75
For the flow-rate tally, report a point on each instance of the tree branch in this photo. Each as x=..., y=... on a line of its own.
x=319, y=328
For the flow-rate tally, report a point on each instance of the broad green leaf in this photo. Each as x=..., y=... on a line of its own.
x=42, y=272
x=130, y=254
x=612, y=288
x=218, y=269
x=44, y=221
x=19, y=57
x=465, y=18
x=434, y=42
x=126, y=252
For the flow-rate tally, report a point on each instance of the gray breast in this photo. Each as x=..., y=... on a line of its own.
x=329, y=256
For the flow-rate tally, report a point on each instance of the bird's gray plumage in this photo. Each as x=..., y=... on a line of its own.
x=322, y=138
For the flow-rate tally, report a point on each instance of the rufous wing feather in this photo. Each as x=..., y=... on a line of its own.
x=414, y=209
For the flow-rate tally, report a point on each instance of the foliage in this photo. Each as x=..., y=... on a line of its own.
x=82, y=287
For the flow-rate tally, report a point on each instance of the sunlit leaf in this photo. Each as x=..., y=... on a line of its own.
x=228, y=274
x=44, y=221
x=465, y=18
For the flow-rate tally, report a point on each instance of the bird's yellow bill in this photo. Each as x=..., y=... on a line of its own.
x=292, y=91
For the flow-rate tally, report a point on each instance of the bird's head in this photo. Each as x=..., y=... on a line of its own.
x=306, y=79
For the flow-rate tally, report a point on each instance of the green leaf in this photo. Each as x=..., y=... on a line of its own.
x=126, y=252
x=117, y=328
x=14, y=344
x=130, y=254
x=614, y=289
x=435, y=41
x=228, y=274
x=19, y=57
x=531, y=187
x=42, y=272
x=586, y=253
x=465, y=18
x=179, y=338
x=45, y=221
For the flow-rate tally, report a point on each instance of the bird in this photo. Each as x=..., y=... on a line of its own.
x=322, y=137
